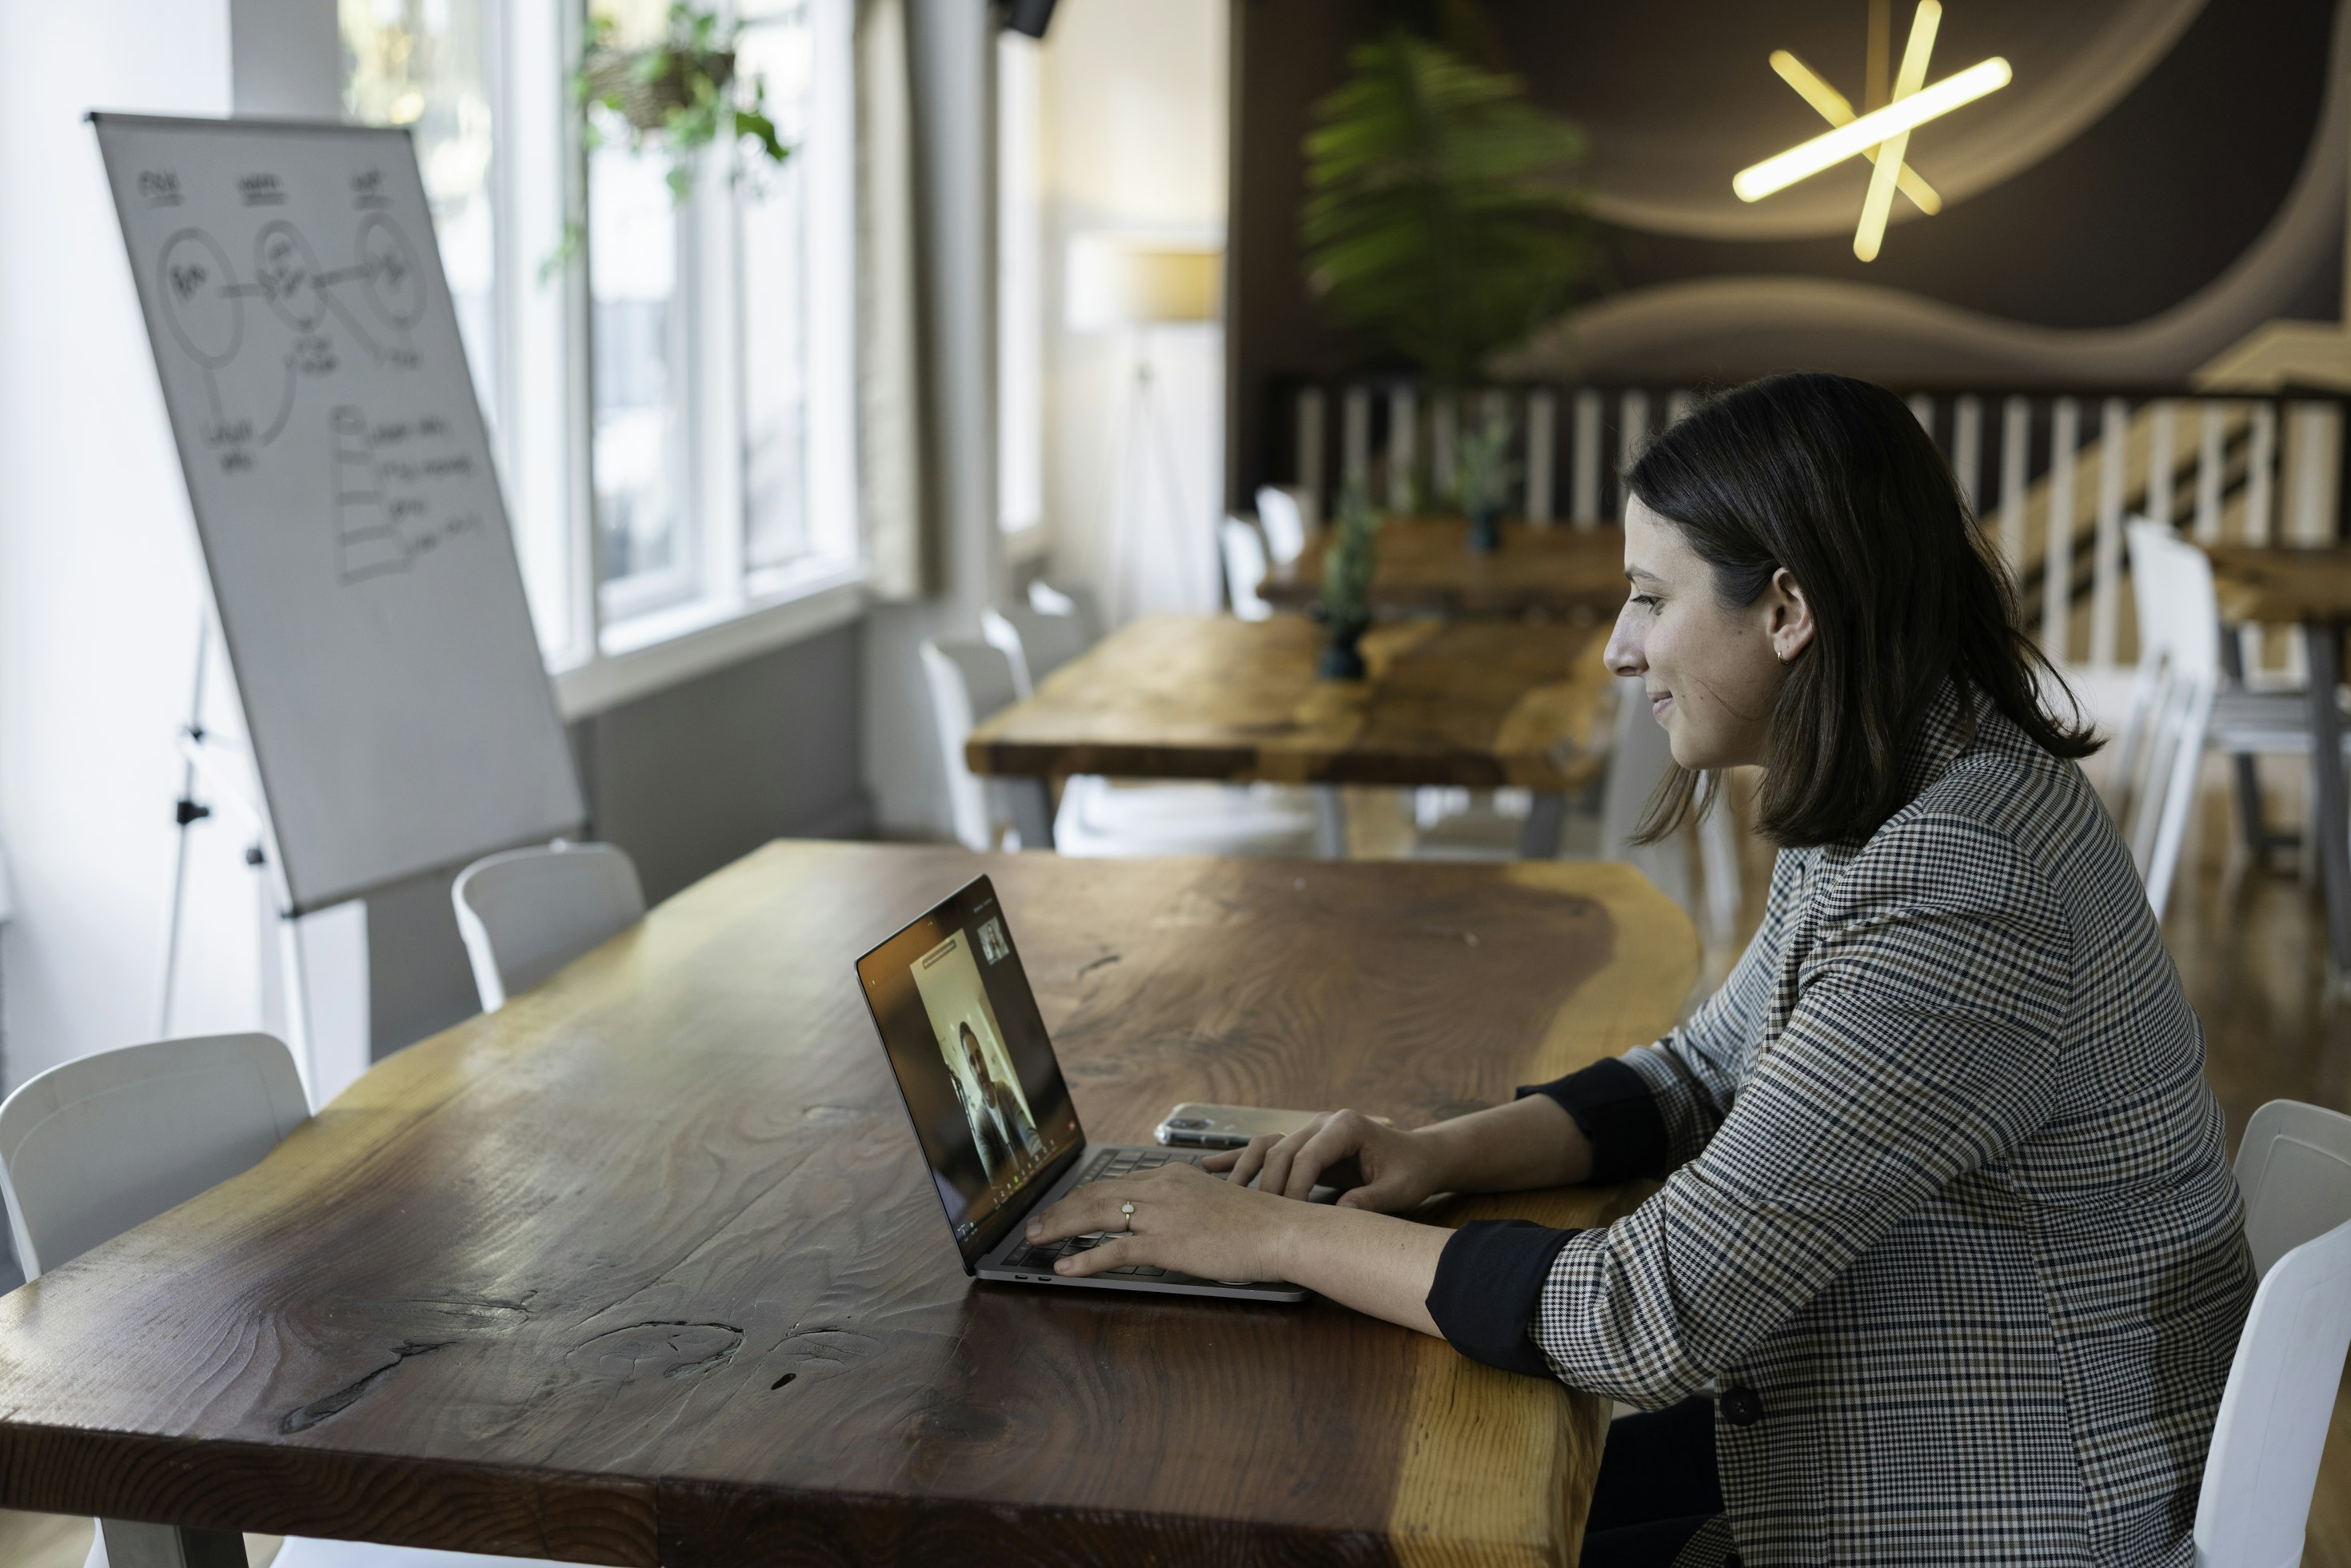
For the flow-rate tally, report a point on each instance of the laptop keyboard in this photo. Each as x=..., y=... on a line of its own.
x=1107, y=1165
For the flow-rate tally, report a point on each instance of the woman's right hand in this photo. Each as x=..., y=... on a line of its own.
x=1393, y=1171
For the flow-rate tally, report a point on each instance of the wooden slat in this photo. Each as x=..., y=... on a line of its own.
x=2015, y=449
x=1542, y=445
x=1587, y=458
x=1426, y=564
x=1967, y=450
x=646, y=1266
x=2056, y=585
x=1404, y=444
x=1480, y=703
x=1310, y=407
x=2107, y=570
x=1355, y=436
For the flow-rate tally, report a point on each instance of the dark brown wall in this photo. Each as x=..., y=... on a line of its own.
x=2147, y=206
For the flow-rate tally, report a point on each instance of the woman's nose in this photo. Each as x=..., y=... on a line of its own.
x=1622, y=655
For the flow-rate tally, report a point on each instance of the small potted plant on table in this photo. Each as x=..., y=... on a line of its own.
x=1347, y=567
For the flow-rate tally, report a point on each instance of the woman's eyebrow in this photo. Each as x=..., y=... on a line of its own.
x=1634, y=573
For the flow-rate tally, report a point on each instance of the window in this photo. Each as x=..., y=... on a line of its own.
x=1020, y=285
x=669, y=383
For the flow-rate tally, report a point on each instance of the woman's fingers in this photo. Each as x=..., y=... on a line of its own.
x=1093, y=1206
x=1334, y=1140
x=1223, y=1159
x=1251, y=1160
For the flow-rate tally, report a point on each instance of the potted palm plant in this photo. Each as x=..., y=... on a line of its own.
x=1443, y=222
x=1482, y=472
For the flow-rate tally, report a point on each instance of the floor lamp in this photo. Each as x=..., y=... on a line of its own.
x=1137, y=285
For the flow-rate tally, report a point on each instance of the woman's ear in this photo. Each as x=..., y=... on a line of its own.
x=1790, y=613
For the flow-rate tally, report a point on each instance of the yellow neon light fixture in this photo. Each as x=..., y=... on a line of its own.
x=1833, y=147
x=1831, y=106
x=1879, y=203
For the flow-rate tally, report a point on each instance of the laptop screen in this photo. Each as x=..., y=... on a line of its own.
x=968, y=1048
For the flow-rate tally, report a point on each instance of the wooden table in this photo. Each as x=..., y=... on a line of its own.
x=646, y=1266
x=1477, y=704
x=2309, y=588
x=1555, y=570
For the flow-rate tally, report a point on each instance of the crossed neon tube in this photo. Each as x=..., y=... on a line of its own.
x=1883, y=135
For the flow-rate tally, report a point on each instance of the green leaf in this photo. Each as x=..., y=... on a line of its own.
x=1442, y=220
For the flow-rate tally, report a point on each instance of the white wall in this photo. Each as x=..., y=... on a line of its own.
x=100, y=597
x=1135, y=133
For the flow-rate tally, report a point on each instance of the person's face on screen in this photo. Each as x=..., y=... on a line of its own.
x=971, y=1053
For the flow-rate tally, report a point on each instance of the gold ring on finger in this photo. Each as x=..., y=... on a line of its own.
x=1128, y=1209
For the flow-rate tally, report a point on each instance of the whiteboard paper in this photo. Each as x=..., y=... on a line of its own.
x=352, y=526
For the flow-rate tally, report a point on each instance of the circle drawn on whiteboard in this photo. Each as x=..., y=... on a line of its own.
x=288, y=272
x=395, y=284
x=205, y=318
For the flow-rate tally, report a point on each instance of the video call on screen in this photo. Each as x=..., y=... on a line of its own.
x=989, y=1103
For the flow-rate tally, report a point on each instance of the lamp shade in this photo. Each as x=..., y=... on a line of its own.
x=1129, y=280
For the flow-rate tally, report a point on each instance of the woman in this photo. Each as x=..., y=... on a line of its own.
x=1947, y=1230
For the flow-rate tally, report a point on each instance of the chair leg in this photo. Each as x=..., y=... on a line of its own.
x=132, y=1544
x=1546, y=821
x=1330, y=823
x=2249, y=806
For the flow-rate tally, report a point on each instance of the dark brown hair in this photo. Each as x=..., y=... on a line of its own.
x=1834, y=479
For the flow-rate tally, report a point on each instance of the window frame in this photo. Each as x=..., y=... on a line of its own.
x=609, y=644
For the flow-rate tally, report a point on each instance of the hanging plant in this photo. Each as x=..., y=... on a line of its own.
x=680, y=95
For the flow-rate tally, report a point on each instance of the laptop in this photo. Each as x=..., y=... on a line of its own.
x=989, y=1106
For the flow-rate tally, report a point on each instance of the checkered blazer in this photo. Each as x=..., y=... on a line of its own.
x=1949, y=1223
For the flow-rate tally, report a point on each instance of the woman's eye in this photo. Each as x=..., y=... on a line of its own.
x=1647, y=600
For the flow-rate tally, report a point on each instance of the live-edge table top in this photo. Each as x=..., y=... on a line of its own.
x=645, y=1267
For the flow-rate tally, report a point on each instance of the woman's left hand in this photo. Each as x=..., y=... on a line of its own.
x=1184, y=1221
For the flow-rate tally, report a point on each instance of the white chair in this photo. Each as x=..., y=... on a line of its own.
x=1244, y=567
x=1285, y=513
x=525, y=913
x=2152, y=777
x=2295, y=1169
x=97, y=1145
x=970, y=681
x=1071, y=599
x=1037, y=642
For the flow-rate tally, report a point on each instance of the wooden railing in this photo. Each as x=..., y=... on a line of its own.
x=2051, y=475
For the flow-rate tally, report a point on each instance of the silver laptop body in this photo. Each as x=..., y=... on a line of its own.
x=989, y=1104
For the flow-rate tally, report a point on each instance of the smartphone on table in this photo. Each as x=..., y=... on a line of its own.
x=1198, y=1127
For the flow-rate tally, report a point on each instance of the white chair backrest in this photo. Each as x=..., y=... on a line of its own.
x=1071, y=599
x=96, y=1145
x=1037, y=641
x=969, y=681
x=1244, y=567
x=1282, y=515
x=2295, y=1166
x=525, y=913
x=2152, y=778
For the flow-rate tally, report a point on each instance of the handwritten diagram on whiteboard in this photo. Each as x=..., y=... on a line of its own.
x=341, y=476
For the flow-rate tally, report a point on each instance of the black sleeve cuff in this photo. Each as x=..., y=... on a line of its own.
x=1489, y=1287
x=1618, y=1115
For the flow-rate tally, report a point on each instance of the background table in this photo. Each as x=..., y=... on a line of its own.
x=646, y=1266
x=2309, y=588
x=1425, y=564
x=1477, y=704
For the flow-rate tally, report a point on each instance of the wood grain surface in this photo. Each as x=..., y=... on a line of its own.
x=1426, y=564
x=645, y=1267
x=2282, y=583
x=1476, y=702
